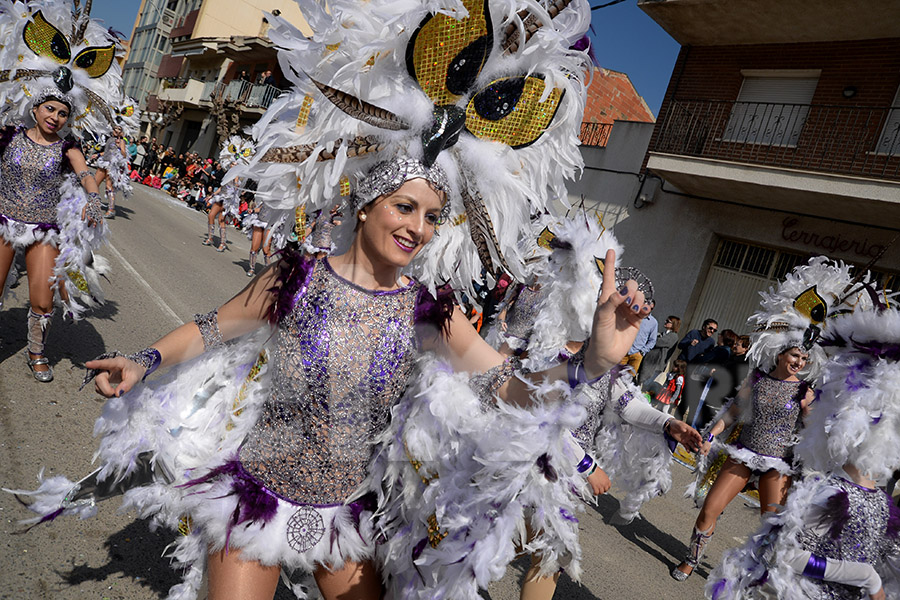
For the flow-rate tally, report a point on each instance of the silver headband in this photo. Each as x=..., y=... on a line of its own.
x=386, y=178
x=52, y=93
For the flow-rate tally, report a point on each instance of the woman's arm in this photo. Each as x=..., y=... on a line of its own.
x=616, y=323
x=730, y=416
x=244, y=313
x=807, y=401
x=91, y=212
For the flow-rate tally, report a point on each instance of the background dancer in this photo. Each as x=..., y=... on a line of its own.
x=226, y=199
x=112, y=167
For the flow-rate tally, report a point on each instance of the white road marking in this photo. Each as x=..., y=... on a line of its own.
x=151, y=293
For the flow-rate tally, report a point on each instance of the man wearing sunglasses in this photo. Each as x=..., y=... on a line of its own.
x=692, y=346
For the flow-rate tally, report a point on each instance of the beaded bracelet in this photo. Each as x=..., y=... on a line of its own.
x=577, y=373
x=209, y=330
x=149, y=358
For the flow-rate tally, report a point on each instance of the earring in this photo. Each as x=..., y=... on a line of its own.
x=362, y=216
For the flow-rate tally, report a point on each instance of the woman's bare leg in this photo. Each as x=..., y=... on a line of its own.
x=773, y=489
x=210, y=223
x=354, y=581
x=231, y=578
x=535, y=586
x=7, y=255
x=39, y=259
x=731, y=480
x=222, y=235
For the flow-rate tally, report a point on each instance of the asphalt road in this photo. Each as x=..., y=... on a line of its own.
x=161, y=276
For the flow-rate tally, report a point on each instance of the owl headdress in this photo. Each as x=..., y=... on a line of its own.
x=54, y=49
x=128, y=117
x=236, y=151
x=856, y=416
x=490, y=91
x=799, y=310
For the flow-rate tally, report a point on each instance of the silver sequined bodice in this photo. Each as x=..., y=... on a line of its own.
x=30, y=179
x=521, y=315
x=862, y=538
x=341, y=360
x=775, y=416
x=598, y=393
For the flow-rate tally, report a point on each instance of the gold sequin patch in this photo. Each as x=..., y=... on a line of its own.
x=811, y=305
x=78, y=280
x=438, y=42
x=460, y=219
x=435, y=535
x=345, y=185
x=523, y=124
x=252, y=376
x=303, y=115
x=185, y=525
x=300, y=222
x=46, y=40
x=545, y=237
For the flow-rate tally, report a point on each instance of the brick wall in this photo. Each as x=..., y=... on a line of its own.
x=611, y=96
x=714, y=73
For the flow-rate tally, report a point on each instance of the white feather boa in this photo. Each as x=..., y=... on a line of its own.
x=481, y=473
x=78, y=268
x=116, y=166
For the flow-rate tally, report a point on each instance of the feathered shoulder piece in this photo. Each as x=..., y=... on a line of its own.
x=799, y=310
x=492, y=91
x=856, y=416
x=236, y=151
x=54, y=48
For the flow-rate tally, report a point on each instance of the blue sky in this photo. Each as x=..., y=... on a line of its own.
x=625, y=39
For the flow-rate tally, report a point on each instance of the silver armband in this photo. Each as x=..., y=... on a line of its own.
x=209, y=330
x=485, y=385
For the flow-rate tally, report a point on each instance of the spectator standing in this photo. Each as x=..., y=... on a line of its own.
x=669, y=395
x=692, y=346
x=268, y=79
x=644, y=342
x=140, y=155
x=656, y=359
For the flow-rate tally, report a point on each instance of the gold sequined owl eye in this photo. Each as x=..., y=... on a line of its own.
x=246, y=152
x=232, y=148
x=129, y=110
x=445, y=55
x=509, y=111
x=545, y=238
x=811, y=305
x=96, y=60
x=46, y=40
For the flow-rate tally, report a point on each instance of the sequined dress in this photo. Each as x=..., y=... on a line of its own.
x=769, y=431
x=31, y=175
x=520, y=317
x=866, y=531
x=341, y=359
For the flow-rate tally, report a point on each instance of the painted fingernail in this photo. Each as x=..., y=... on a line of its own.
x=636, y=308
x=623, y=291
x=628, y=300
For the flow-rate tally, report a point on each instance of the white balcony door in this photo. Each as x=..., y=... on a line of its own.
x=889, y=141
x=770, y=110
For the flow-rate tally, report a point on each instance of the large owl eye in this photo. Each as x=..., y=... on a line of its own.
x=232, y=148
x=545, y=238
x=96, y=60
x=445, y=55
x=811, y=305
x=46, y=40
x=246, y=152
x=509, y=111
x=129, y=110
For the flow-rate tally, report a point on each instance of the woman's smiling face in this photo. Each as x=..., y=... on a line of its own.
x=51, y=116
x=394, y=228
x=790, y=363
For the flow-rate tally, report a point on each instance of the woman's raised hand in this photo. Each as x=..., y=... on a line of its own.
x=616, y=321
x=117, y=375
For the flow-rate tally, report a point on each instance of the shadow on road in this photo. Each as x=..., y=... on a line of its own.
x=662, y=546
x=122, y=212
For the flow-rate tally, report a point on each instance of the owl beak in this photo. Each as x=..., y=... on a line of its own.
x=63, y=79
x=447, y=122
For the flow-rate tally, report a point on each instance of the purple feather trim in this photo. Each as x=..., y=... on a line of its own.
x=435, y=311
x=39, y=226
x=893, y=523
x=255, y=504
x=293, y=276
x=837, y=509
x=546, y=469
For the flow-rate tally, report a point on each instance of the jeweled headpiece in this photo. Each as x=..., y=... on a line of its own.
x=55, y=45
x=387, y=177
x=490, y=90
x=51, y=93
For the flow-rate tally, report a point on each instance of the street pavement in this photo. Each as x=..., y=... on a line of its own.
x=161, y=276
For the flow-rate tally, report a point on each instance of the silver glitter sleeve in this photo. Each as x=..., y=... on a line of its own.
x=209, y=330
x=485, y=385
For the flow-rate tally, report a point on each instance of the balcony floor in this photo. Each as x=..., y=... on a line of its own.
x=855, y=199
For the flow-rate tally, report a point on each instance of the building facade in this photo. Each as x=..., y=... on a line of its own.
x=210, y=69
x=778, y=139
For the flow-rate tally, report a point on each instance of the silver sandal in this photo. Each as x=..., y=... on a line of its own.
x=42, y=376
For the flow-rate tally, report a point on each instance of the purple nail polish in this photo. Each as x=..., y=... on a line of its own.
x=636, y=308
x=628, y=300
x=623, y=291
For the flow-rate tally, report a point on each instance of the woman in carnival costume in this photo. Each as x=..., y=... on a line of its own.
x=273, y=469
x=225, y=200
x=58, y=67
x=627, y=436
x=838, y=535
x=773, y=400
x=113, y=162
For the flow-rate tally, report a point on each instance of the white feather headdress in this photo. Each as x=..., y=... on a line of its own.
x=799, y=309
x=52, y=45
x=490, y=90
x=236, y=151
x=856, y=416
x=128, y=117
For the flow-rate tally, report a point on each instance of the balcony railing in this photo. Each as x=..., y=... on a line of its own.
x=248, y=94
x=862, y=141
x=595, y=134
